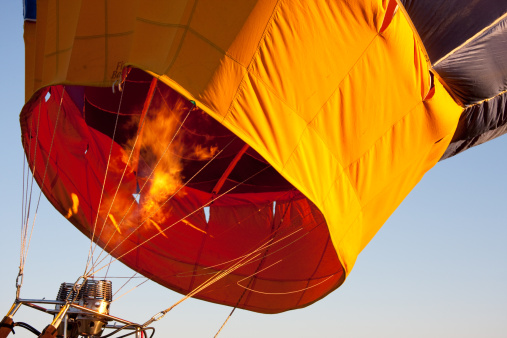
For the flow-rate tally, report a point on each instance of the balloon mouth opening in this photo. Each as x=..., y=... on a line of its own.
x=176, y=196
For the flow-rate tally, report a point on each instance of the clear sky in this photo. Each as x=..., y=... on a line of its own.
x=438, y=267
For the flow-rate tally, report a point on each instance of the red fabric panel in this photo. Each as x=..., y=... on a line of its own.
x=175, y=246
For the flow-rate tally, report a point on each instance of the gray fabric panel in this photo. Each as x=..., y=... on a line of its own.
x=478, y=70
x=478, y=124
x=446, y=24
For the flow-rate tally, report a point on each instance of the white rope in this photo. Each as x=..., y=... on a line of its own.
x=129, y=291
x=142, y=188
x=25, y=245
x=90, y=257
x=246, y=259
x=170, y=197
x=219, y=275
x=176, y=222
x=28, y=197
x=122, y=176
x=121, y=287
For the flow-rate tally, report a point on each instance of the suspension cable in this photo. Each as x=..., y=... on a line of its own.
x=129, y=291
x=248, y=258
x=226, y=320
x=90, y=256
x=170, y=226
x=153, y=86
x=146, y=182
x=25, y=203
x=170, y=197
x=271, y=235
x=251, y=279
x=26, y=246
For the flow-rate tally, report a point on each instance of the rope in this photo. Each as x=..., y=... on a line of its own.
x=24, y=192
x=266, y=238
x=170, y=226
x=121, y=287
x=25, y=217
x=241, y=297
x=290, y=254
x=226, y=320
x=26, y=203
x=90, y=257
x=129, y=291
x=145, y=183
x=221, y=274
x=283, y=293
x=22, y=242
x=244, y=260
x=25, y=246
x=217, y=277
x=169, y=198
x=123, y=174
x=107, y=271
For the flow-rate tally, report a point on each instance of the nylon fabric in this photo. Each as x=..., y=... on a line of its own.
x=478, y=70
x=332, y=112
x=466, y=43
x=478, y=124
x=445, y=25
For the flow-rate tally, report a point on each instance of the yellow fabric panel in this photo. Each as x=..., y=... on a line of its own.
x=396, y=163
x=59, y=33
x=334, y=106
x=29, y=37
x=367, y=139
x=205, y=49
x=262, y=129
x=246, y=42
x=155, y=45
x=213, y=23
x=390, y=77
x=294, y=44
x=40, y=38
x=160, y=29
x=103, y=38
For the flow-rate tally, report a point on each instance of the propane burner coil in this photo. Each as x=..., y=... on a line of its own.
x=91, y=289
x=97, y=289
x=95, y=295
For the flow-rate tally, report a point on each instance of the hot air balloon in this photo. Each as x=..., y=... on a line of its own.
x=244, y=153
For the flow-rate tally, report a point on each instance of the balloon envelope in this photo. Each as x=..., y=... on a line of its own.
x=268, y=139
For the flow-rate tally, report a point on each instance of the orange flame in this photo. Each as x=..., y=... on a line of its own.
x=193, y=226
x=75, y=206
x=202, y=153
x=111, y=217
x=161, y=146
x=157, y=226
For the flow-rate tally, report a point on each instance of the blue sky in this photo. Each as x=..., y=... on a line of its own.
x=437, y=268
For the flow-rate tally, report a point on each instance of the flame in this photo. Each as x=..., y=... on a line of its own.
x=166, y=179
x=202, y=153
x=155, y=153
x=111, y=217
x=193, y=226
x=158, y=228
x=75, y=205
